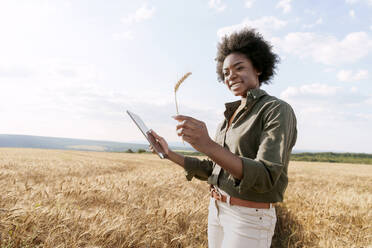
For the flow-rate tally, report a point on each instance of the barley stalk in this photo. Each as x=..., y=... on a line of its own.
x=175, y=91
x=177, y=86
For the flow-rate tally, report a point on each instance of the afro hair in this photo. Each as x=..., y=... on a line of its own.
x=254, y=47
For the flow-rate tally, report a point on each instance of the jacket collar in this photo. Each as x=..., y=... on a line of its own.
x=252, y=95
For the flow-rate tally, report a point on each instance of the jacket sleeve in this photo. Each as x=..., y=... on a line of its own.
x=277, y=139
x=200, y=169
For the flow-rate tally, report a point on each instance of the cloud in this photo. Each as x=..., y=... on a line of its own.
x=141, y=14
x=127, y=35
x=56, y=71
x=309, y=90
x=14, y=71
x=265, y=25
x=326, y=49
x=310, y=11
x=368, y=101
x=249, y=3
x=317, y=22
x=285, y=5
x=217, y=5
x=330, y=117
x=350, y=76
x=352, y=13
x=330, y=98
x=89, y=110
x=369, y=2
x=61, y=71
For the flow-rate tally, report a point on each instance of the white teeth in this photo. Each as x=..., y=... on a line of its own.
x=234, y=85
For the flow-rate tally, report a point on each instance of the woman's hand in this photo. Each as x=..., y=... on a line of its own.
x=194, y=132
x=161, y=141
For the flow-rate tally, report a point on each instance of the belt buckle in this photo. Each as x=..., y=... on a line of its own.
x=219, y=195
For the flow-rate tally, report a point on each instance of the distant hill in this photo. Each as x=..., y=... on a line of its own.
x=28, y=141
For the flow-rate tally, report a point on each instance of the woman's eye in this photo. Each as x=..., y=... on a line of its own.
x=225, y=74
x=239, y=68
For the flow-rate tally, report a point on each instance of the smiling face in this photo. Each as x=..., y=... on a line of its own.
x=239, y=74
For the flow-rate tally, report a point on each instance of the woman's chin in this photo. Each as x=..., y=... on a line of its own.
x=237, y=93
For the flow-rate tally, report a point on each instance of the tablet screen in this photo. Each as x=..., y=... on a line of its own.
x=146, y=132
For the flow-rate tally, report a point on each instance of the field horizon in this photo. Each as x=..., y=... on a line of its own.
x=61, y=198
x=74, y=144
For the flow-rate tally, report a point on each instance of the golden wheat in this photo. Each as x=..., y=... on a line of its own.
x=52, y=198
x=177, y=86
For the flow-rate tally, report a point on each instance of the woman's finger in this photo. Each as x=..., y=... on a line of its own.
x=187, y=124
x=186, y=118
x=157, y=137
x=154, y=133
x=151, y=148
x=188, y=139
x=187, y=132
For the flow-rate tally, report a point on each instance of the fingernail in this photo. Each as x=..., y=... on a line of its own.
x=174, y=116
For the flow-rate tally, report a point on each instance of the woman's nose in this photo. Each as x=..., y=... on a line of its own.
x=231, y=76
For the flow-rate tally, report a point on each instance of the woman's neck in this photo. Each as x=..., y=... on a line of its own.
x=244, y=98
x=243, y=101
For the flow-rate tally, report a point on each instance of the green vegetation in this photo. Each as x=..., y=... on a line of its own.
x=183, y=152
x=331, y=157
x=140, y=150
x=189, y=153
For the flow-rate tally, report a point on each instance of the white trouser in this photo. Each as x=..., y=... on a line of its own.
x=232, y=226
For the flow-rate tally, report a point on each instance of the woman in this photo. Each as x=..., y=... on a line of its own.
x=248, y=159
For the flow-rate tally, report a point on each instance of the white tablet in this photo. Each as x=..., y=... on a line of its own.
x=147, y=133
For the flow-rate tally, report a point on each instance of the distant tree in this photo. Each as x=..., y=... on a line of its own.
x=129, y=151
x=141, y=151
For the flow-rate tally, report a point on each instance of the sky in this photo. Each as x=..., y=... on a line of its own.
x=72, y=68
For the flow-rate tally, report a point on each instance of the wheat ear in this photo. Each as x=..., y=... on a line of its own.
x=177, y=86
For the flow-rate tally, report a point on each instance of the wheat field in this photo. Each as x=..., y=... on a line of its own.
x=51, y=198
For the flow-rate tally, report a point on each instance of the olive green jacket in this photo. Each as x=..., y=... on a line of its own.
x=262, y=134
